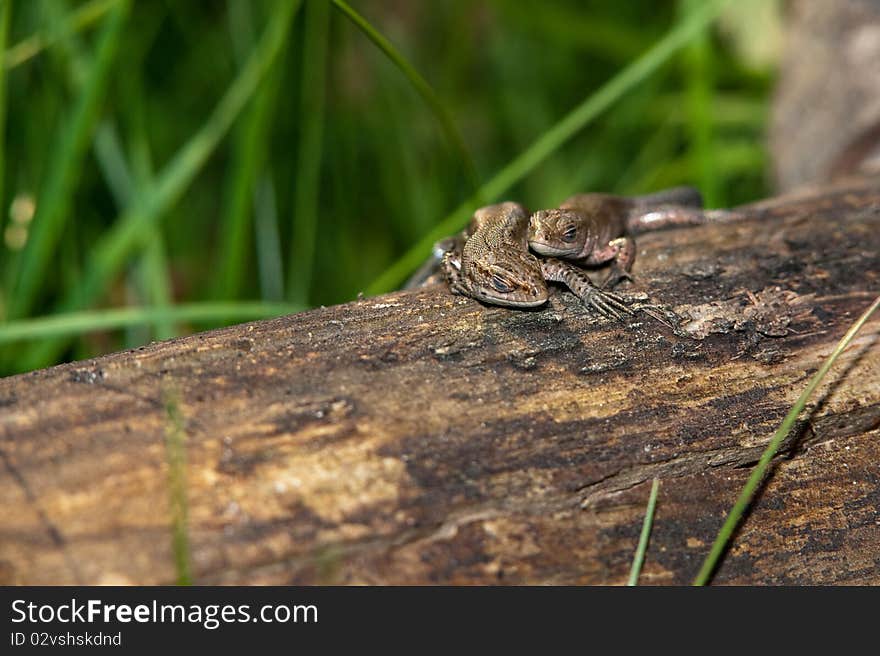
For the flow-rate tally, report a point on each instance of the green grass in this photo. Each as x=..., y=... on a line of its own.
x=759, y=473
x=552, y=139
x=5, y=6
x=441, y=112
x=700, y=123
x=639, y=557
x=83, y=17
x=178, y=156
x=76, y=323
x=299, y=160
x=132, y=229
x=308, y=162
x=175, y=452
x=250, y=144
x=56, y=196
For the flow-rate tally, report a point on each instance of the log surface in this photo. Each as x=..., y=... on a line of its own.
x=420, y=437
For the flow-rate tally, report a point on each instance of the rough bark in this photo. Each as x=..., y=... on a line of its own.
x=419, y=437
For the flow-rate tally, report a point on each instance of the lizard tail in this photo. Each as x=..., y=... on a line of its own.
x=681, y=196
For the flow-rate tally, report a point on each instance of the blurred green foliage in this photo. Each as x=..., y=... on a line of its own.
x=165, y=153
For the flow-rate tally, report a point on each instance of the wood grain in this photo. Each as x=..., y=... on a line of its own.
x=419, y=437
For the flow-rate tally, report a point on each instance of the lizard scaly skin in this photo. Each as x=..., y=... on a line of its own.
x=495, y=266
x=593, y=229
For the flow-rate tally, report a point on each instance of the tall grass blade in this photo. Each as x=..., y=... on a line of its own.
x=268, y=242
x=113, y=165
x=699, y=98
x=79, y=19
x=308, y=166
x=157, y=283
x=250, y=145
x=551, y=140
x=443, y=115
x=760, y=469
x=5, y=10
x=153, y=283
x=88, y=321
x=175, y=452
x=53, y=203
x=132, y=228
x=735, y=157
x=594, y=36
x=639, y=558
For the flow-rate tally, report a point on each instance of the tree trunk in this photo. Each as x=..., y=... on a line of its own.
x=420, y=437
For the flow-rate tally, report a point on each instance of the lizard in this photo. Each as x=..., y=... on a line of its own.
x=593, y=229
x=547, y=227
x=491, y=262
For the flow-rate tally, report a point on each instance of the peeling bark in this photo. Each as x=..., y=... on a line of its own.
x=420, y=437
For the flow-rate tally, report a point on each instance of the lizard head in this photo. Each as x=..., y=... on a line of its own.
x=558, y=233
x=501, y=273
x=496, y=266
x=507, y=276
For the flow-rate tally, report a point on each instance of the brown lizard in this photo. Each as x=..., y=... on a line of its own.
x=593, y=229
x=494, y=265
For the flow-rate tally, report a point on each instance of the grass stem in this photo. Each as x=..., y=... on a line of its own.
x=639, y=558
x=760, y=470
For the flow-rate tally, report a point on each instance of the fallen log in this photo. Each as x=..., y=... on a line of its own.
x=419, y=437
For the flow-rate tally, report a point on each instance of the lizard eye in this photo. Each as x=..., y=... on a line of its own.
x=501, y=285
x=570, y=233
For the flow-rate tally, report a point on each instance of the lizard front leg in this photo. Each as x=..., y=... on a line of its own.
x=451, y=266
x=608, y=304
x=622, y=253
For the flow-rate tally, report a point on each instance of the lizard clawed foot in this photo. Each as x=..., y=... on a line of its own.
x=608, y=304
x=662, y=314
